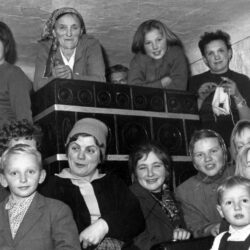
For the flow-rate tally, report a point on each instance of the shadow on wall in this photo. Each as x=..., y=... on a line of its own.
x=240, y=61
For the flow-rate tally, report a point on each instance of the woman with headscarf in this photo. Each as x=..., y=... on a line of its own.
x=66, y=51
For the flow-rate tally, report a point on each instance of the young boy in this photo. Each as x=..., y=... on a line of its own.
x=234, y=206
x=28, y=219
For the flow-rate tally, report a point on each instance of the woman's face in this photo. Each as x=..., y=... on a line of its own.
x=208, y=156
x=151, y=172
x=246, y=170
x=84, y=157
x=242, y=139
x=155, y=44
x=67, y=30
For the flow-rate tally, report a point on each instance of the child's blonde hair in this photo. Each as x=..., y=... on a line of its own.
x=20, y=149
x=231, y=182
x=241, y=160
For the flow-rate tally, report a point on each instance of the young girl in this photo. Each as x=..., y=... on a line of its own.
x=198, y=194
x=15, y=85
x=159, y=59
x=150, y=165
x=240, y=136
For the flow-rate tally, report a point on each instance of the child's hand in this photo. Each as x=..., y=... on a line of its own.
x=94, y=234
x=181, y=234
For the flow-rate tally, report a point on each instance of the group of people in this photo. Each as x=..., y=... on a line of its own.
x=66, y=51
x=81, y=207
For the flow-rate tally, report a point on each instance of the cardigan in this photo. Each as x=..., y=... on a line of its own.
x=198, y=199
x=207, y=116
x=48, y=224
x=15, y=90
x=159, y=228
x=148, y=72
x=118, y=206
x=89, y=62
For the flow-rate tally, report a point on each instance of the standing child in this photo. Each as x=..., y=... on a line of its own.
x=28, y=219
x=234, y=205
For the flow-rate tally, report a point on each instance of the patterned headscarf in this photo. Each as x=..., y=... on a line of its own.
x=47, y=34
x=50, y=23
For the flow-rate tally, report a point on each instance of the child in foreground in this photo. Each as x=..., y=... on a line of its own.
x=28, y=219
x=234, y=206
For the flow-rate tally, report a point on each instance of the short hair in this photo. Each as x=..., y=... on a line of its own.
x=75, y=137
x=145, y=27
x=7, y=38
x=117, y=68
x=20, y=149
x=208, y=37
x=207, y=133
x=230, y=182
x=238, y=129
x=144, y=149
x=241, y=160
x=16, y=129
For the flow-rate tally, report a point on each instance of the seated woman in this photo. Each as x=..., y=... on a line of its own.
x=197, y=195
x=106, y=212
x=150, y=165
x=15, y=85
x=66, y=51
x=159, y=59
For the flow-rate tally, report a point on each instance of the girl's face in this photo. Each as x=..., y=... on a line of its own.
x=208, y=156
x=242, y=139
x=246, y=170
x=2, y=56
x=155, y=44
x=151, y=172
x=67, y=30
x=84, y=157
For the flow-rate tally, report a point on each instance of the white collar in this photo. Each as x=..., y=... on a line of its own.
x=71, y=61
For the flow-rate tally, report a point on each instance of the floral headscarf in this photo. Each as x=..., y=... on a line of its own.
x=50, y=23
x=47, y=34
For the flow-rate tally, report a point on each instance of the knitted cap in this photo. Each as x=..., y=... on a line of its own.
x=92, y=127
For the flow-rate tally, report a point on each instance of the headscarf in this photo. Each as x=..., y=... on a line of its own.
x=50, y=23
x=47, y=34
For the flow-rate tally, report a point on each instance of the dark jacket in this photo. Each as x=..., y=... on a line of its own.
x=158, y=226
x=118, y=206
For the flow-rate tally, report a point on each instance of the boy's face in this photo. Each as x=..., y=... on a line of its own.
x=235, y=206
x=208, y=156
x=119, y=78
x=217, y=56
x=22, y=175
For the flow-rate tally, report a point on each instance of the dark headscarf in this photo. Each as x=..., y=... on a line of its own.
x=47, y=34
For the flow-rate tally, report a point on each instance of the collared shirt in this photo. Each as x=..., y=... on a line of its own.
x=16, y=211
x=236, y=235
x=71, y=61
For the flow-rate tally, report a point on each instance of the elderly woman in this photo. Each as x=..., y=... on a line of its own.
x=150, y=165
x=66, y=51
x=106, y=212
x=197, y=195
x=159, y=59
x=15, y=86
